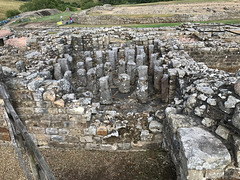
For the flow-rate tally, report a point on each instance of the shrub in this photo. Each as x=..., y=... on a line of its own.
x=43, y=4
x=11, y=13
x=86, y=4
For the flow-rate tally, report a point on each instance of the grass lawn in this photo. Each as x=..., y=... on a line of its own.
x=134, y=15
x=226, y=21
x=53, y=18
x=6, y=5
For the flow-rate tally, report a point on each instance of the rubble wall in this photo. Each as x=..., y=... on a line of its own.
x=54, y=123
x=84, y=18
x=226, y=58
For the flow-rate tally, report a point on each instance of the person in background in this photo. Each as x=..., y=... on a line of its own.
x=61, y=18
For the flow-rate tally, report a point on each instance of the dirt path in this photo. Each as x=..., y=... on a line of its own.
x=94, y=165
x=10, y=166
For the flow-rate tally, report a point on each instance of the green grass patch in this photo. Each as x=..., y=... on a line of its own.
x=225, y=21
x=52, y=32
x=83, y=25
x=133, y=15
x=53, y=18
x=153, y=25
x=143, y=15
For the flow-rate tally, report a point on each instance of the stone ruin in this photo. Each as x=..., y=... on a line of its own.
x=157, y=13
x=123, y=89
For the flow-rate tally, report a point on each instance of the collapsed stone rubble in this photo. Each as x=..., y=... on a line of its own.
x=126, y=89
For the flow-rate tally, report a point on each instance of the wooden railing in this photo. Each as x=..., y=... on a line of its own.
x=22, y=140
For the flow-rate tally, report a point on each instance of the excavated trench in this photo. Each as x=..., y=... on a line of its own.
x=126, y=110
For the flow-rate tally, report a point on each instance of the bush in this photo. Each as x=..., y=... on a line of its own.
x=115, y=2
x=11, y=13
x=43, y=4
x=86, y=4
x=74, y=4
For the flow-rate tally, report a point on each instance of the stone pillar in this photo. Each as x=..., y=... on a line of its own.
x=121, y=54
x=108, y=72
x=115, y=50
x=143, y=72
x=131, y=71
x=112, y=59
x=92, y=81
x=158, y=75
x=89, y=63
x=131, y=55
x=64, y=65
x=156, y=45
x=142, y=85
x=121, y=66
x=126, y=53
x=153, y=58
x=140, y=60
x=70, y=60
x=105, y=91
x=164, y=88
x=150, y=50
x=20, y=66
x=99, y=70
x=142, y=52
x=57, y=71
x=140, y=49
x=172, y=73
x=80, y=65
x=124, y=83
x=87, y=53
x=99, y=57
x=82, y=77
x=165, y=68
x=158, y=63
x=68, y=76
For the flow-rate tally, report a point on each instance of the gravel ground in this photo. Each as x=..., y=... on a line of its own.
x=10, y=168
x=94, y=165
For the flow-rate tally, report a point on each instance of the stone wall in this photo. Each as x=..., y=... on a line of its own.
x=84, y=18
x=83, y=124
x=225, y=58
x=211, y=45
